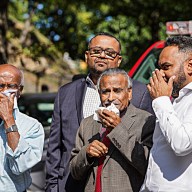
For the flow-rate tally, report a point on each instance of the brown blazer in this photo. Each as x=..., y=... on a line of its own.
x=126, y=162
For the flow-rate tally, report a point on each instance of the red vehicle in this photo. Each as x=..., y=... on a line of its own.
x=144, y=66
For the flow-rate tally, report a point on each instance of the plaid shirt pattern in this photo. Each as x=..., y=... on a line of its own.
x=92, y=98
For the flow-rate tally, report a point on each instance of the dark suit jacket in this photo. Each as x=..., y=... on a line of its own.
x=126, y=162
x=67, y=115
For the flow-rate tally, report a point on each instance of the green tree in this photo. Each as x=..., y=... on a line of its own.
x=59, y=26
x=21, y=43
x=137, y=23
x=3, y=29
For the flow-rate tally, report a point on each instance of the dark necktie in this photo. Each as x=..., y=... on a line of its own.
x=101, y=160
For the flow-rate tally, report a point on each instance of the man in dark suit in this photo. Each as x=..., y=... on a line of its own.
x=111, y=151
x=78, y=100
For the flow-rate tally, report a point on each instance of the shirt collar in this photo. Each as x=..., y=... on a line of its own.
x=184, y=91
x=90, y=82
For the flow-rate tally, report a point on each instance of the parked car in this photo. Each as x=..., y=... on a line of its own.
x=147, y=63
x=144, y=66
x=40, y=106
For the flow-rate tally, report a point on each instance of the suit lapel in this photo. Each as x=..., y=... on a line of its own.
x=96, y=132
x=80, y=94
x=96, y=127
x=128, y=120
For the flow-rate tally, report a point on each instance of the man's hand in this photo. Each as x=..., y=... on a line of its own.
x=109, y=119
x=96, y=149
x=6, y=114
x=6, y=106
x=158, y=86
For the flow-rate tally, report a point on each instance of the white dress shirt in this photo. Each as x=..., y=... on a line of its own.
x=170, y=161
x=92, y=99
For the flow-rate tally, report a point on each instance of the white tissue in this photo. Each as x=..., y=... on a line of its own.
x=8, y=93
x=111, y=107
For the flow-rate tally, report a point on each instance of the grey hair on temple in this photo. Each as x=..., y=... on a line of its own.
x=115, y=71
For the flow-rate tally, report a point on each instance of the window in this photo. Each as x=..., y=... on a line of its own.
x=147, y=67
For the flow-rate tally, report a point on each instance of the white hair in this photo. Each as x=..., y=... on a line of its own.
x=115, y=71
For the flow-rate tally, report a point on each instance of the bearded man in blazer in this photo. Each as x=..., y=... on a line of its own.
x=129, y=139
x=78, y=100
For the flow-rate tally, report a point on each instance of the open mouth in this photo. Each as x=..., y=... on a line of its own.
x=101, y=64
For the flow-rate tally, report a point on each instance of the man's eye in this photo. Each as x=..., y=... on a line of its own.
x=96, y=51
x=165, y=67
x=110, y=53
x=118, y=90
x=13, y=86
x=2, y=85
x=104, y=91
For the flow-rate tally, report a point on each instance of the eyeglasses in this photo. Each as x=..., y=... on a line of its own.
x=109, y=53
x=9, y=86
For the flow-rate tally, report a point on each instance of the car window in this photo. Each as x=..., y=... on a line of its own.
x=147, y=66
x=46, y=109
x=40, y=111
x=40, y=106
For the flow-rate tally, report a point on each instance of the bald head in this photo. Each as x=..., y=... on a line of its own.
x=10, y=72
x=11, y=78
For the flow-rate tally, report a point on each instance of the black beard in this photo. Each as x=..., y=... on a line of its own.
x=175, y=92
x=177, y=86
x=95, y=72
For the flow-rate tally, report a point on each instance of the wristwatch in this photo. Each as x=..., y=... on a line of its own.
x=13, y=128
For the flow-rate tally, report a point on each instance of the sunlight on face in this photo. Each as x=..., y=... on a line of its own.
x=114, y=89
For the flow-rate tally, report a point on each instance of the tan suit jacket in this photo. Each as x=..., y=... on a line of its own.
x=126, y=162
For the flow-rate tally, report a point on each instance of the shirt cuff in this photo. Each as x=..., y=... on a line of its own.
x=21, y=148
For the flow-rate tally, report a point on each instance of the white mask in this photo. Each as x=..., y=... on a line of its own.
x=111, y=107
x=8, y=92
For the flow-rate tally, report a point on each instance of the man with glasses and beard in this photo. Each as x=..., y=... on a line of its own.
x=78, y=100
x=170, y=161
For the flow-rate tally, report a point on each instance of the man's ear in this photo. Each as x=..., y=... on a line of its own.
x=119, y=60
x=130, y=93
x=189, y=67
x=20, y=91
x=21, y=88
x=86, y=53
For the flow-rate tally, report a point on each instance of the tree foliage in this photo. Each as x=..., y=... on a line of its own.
x=136, y=23
x=49, y=28
x=24, y=45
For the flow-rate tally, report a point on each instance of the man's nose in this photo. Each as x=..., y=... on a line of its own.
x=162, y=72
x=111, y=96
x=102, y=55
